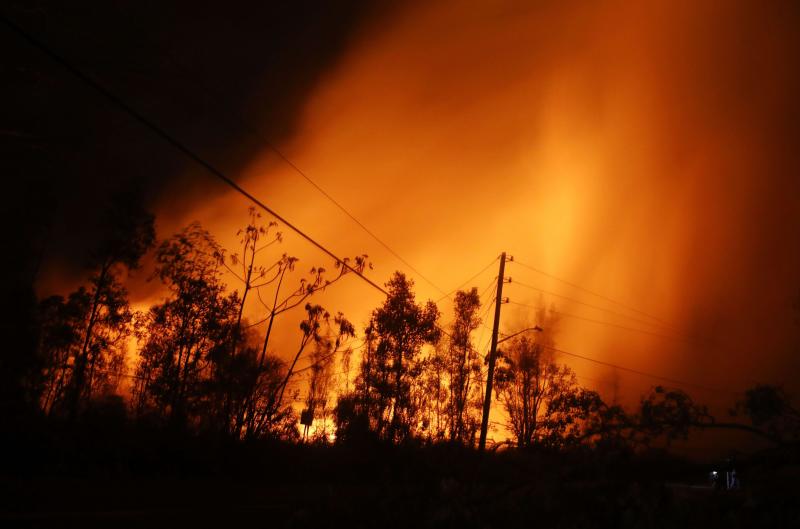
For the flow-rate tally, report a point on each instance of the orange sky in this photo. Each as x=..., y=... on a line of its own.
x=642, y=150
x=600, y=143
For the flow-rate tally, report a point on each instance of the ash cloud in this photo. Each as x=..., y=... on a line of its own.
x=648, y=151
x=192, y=67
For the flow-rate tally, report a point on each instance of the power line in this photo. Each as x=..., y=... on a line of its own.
x=492, y=283
x=601, y=296
x=641, y=373
x=459, y=287
x=175, y=143
x=485, y=328
x=329, y=355
x=116, y=100
x=664, y=325
x=354, y=219
x=579, y=302
x=600, y=322
x=598, y=382
x=485, y=312
x=256, y=132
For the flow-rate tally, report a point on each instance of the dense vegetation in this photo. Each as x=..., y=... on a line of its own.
x=211, y=396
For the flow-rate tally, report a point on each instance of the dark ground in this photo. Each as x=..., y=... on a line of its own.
x=135, y=479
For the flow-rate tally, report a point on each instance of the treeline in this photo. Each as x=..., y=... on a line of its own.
x=202, y=367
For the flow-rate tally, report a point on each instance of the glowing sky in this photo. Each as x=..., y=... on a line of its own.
x=633, y=149
x=646, y=151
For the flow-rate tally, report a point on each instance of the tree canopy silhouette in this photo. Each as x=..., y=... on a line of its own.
x=83, y=336
x=182, y=335
x=390, y=370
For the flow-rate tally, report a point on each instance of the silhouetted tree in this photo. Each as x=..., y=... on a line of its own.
x=272, y=410
x=127, y=233
x=433, y=385
x=345, y=362
x=254, y=238
x=239, y=372
x=532, y=388
x=571, y=413
x=663, y=413
x=463, y=368
x=391, y=366
x=259, y=413
x=360, y=413
x=352, y=419
x=320, y=385
x=63, y=322
x=770, y=410
x=180, y=336
x=668, y=413
x=317, y=281
x=62, y=334
x=599, y=423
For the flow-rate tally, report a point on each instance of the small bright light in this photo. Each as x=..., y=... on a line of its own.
x=714, y=473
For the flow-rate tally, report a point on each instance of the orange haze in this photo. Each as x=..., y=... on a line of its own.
x=643, y=150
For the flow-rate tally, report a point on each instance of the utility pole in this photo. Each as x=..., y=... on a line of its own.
x=487, y=402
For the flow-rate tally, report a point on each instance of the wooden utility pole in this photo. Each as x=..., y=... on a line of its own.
x=487, y=402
